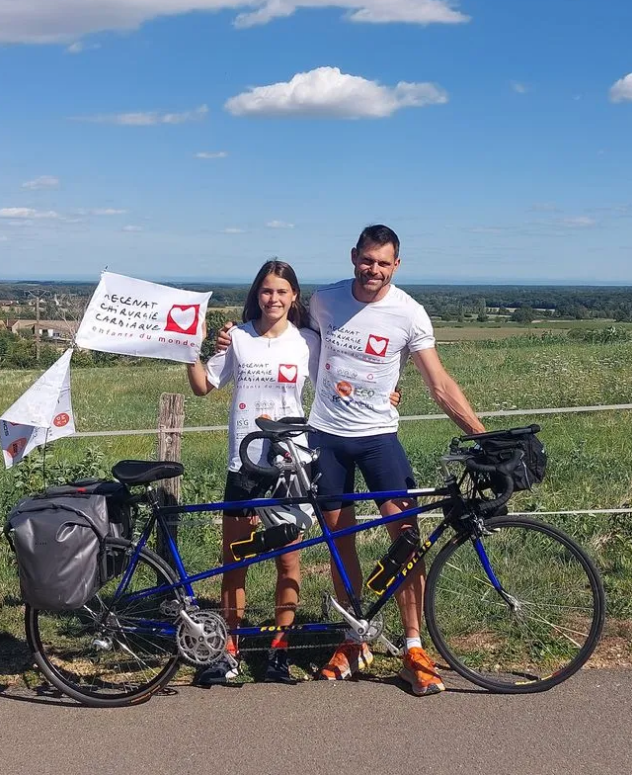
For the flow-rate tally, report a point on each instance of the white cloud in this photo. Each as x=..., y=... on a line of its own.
x=44, y=181
x=79, y=46
x=519, y=88
x=132, y=228
x=579, y=222
x=107, y=211
x=150, y=118
x=232, y=230
x=621, y=90
x=368, y=11
x=26, y=212
x=65, y=21
x=327, y=93
x=279, y=225
x=209, y=155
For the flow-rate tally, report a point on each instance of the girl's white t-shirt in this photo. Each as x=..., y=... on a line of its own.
x=269, y=375
x=363, y=350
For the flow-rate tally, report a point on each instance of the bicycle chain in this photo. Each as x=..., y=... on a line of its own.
x=295, y=647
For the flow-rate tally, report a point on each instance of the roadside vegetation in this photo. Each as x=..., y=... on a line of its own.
x=590, y=461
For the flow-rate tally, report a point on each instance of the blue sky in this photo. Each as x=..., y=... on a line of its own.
x=197, y=138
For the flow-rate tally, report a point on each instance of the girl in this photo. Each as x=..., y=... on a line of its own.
x=270, y=357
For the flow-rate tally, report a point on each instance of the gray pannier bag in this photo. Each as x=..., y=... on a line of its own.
x=59, y=541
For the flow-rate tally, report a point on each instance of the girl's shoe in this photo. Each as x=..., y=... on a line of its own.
x=220, y=672
x=278, y=669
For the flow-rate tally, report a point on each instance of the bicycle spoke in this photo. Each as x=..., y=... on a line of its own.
x=104, y=650
x=550, y=630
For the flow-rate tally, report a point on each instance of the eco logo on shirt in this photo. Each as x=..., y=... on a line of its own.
x=376, y=345
x=288, y=372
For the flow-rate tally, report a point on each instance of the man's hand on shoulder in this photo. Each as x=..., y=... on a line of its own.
x=223, y=337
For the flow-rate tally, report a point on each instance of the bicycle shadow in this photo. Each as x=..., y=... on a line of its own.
x=15, y=666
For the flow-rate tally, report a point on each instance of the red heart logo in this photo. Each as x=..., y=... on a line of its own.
x=183, y=318
x=376, y=345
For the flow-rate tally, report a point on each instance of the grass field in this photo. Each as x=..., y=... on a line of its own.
x=590, y=461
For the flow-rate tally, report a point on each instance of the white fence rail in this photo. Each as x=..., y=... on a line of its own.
x=404, y=418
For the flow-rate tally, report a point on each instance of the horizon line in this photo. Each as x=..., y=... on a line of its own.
x=541, y=283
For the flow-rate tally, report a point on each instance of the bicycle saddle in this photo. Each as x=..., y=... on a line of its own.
x=286, y=426
x=146, y=471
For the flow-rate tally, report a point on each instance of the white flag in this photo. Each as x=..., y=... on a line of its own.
x=134, y=317
x=42, y=414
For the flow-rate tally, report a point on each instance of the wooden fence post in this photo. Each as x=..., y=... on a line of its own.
x=170, y=424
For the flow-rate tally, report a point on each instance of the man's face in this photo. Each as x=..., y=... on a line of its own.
x=374, y=266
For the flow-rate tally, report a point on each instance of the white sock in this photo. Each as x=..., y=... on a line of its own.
x=412, y=643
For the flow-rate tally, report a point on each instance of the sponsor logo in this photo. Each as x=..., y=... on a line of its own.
x=16, y=447
x=344, y=389
x=376, y=345
x=328, y=366
x=364, y=392
x=288, y=372
x=242, y=405
x=61, y=420
x=183, y=318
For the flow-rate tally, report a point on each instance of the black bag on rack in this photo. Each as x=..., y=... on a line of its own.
x=531, y=468
x=59, y=541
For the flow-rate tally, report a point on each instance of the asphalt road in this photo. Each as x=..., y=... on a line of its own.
x=321, y=728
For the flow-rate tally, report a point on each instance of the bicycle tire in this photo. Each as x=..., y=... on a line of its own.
x=470, y=644
x=78, y=676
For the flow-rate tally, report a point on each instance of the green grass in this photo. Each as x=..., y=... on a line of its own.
x=590, y=462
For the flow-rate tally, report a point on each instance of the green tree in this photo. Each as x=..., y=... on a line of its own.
x=523, y=315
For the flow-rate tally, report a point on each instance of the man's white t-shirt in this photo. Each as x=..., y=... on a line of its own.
x=363, y=350
x=269, y=375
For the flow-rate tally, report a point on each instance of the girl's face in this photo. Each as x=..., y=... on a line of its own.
x=275, y=298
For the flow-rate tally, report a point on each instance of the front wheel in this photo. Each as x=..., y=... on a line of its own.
x=116, y=650
x=543, y=625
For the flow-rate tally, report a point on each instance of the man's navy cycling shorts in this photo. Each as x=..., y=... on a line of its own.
x=380, y=458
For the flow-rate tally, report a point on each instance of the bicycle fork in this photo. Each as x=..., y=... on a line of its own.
x=514, y=604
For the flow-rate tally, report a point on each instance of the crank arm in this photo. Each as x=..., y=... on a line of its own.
x=392, y=649
x=359, y=626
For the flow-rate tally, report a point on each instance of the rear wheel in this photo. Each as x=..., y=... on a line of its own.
x=111, y=654
x=542, y=631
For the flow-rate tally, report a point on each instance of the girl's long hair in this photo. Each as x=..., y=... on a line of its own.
x=252, y=311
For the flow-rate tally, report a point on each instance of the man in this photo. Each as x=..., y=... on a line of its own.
x=368, y=329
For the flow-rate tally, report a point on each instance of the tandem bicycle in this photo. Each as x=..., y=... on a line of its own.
x=512, y=604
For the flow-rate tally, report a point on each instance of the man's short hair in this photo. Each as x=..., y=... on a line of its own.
x=378, y=234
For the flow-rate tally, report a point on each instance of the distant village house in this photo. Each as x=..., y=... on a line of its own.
x=55, y=330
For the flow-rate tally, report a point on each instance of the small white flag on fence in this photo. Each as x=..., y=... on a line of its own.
x=42, y=414
x=135, y=317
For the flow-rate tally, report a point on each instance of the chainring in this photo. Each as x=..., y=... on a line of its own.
x=205, y=649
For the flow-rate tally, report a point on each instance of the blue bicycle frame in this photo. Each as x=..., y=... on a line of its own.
x=185, y=582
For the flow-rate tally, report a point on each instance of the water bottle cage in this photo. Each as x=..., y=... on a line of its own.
x=264, y=540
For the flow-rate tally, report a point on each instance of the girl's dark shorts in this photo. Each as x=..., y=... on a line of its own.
x=242, y=487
